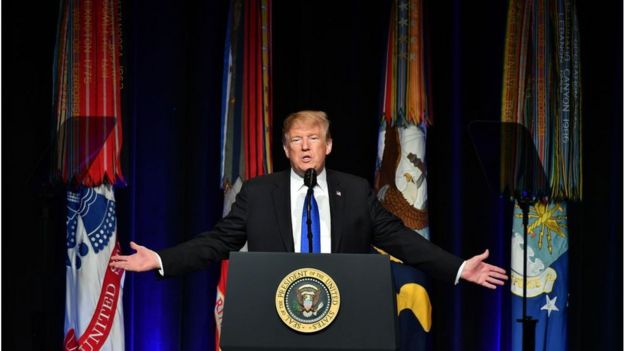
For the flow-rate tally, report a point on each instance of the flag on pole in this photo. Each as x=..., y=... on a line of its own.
x=246, y=114
x=87, y=92
x=87, y=98
x=541, y=91
x=401, y=175
x=547, y=275
x=93, y=308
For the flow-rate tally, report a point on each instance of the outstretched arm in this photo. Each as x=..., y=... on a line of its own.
x=142, y=260
x=481, y=273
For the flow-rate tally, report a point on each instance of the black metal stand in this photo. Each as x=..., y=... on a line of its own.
x=513, y=168
x=308, y=219
x=528, y=323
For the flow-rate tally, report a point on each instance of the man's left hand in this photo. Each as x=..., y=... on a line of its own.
x=481, y=273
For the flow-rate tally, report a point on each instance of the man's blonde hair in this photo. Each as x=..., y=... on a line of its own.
x=307, y=118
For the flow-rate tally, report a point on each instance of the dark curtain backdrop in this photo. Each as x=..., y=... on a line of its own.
x=173, y=53
x=327, y=55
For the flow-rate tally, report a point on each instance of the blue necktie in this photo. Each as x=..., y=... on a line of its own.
x=316, y=227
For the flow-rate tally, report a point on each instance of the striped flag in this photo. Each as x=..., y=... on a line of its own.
x=401, y=175
x=541, y=91
x=246, y=114
x=87, y=97
x=87, y=92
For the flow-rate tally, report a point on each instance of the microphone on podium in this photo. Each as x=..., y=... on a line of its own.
x=309, y=178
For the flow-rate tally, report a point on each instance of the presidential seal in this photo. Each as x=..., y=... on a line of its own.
x=307, y=300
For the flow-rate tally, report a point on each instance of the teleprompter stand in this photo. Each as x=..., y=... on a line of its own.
x=513, y=169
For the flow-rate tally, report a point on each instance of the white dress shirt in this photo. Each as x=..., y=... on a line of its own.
x=298, y=192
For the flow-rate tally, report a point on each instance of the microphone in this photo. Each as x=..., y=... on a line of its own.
x=309, y=178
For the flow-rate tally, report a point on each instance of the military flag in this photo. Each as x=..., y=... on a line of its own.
x=547, y=275
x=87, y=98
x=246, y=113
x=401, y=175
x=541, y=91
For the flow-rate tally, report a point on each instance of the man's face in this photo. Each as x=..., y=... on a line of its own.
x=306, y=147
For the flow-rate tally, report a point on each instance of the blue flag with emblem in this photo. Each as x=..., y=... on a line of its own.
x=542, y=91
x=547, y=275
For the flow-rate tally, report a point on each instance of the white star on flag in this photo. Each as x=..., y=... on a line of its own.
x=550, y=305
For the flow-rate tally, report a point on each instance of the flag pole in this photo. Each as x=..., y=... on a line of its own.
x=528, y=323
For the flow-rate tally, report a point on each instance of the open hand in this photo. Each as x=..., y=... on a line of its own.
x=481, y=273
x=142, y=260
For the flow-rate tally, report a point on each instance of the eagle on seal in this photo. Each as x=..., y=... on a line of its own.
x=308, y=297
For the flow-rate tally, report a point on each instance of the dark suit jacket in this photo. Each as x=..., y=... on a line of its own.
x=261, y=216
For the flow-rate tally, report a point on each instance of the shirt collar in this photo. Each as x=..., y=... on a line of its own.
x=297, y=180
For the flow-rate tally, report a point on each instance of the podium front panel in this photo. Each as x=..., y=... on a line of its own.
x=366, y=319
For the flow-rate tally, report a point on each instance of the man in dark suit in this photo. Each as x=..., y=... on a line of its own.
x=267, y=215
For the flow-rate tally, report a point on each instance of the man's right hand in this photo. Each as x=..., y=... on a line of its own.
x=142, y=260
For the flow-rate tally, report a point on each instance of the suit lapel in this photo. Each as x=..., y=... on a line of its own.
x=281, y=203
x=336, y=209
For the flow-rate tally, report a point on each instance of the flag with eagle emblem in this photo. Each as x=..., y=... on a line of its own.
x=401, y=174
